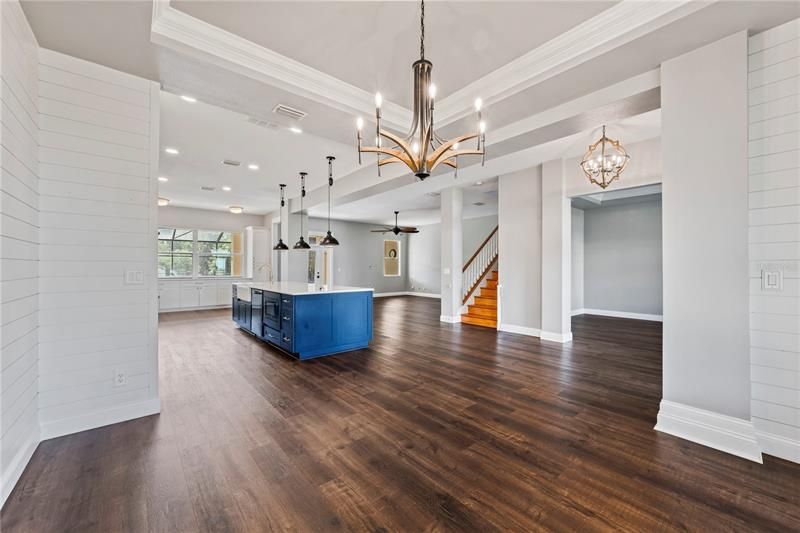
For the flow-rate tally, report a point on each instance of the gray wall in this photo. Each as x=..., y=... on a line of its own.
x=704, y=111
x=520, y=243
x=424, y=257
x=622, y=258
x=576, y=259
x=358, y=260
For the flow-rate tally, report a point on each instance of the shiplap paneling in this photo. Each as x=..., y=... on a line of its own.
x=19, y=243
x=98, y=151
x=774, y=164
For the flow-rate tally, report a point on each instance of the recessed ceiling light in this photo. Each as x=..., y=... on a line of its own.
x=252, y=166
x=171, y=151
x=478, y=182
x=162, y=179
x=226, y=188
x=187, y=98
x=163, y=201
x=236, y=209
x=295, y=129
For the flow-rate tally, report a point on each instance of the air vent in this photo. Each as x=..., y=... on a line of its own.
x=231, y=162
x=289, y=112
x=206, y=188
x=263, y=123
x=479, y=204
x=433, y=194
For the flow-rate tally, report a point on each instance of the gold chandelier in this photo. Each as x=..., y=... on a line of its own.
x=422, y=150
x=604, y=161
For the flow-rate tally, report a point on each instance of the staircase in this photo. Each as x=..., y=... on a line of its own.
x=476, y=275
x=484, y=311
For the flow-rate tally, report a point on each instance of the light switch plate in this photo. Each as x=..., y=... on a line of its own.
x=772, y=280
x=134, y=277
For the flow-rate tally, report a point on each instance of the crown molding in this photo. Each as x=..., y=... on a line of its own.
x=620, y=24
x=188, y=35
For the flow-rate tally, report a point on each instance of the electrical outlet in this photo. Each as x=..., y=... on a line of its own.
x=120, y=379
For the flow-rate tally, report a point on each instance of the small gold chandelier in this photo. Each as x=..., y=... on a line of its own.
x=604, y=161
x=422, y=150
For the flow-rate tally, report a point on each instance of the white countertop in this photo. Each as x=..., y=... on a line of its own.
x=296, y=288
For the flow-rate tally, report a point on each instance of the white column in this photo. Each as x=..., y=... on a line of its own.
x=556, y=247
x=451, y=249
x=519, y=217
x=706, y=362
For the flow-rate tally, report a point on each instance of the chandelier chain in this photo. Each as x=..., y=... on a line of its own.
x=422, y=30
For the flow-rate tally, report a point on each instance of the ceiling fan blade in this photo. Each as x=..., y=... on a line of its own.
x=380, y=230
x=405, y=228
x=409, y=230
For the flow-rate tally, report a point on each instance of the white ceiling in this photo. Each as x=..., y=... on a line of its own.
x=416, y=208
x=372, y=44
x=205, y=135
x=362, y=46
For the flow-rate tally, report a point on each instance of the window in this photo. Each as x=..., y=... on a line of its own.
x=193, y=253
x=391, y=258
x=219, y=253
x=175, y=252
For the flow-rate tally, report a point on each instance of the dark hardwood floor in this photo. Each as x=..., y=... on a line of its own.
x=435, y=427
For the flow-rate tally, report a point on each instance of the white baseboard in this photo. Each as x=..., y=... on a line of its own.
x=779, y=446
x=555, y=337
x=96, y=419
x=17, y=466
x=721, y=432
x=450, y=319
x=180, y=309
x=519, y=330
x=619, y=314
x=407, y=293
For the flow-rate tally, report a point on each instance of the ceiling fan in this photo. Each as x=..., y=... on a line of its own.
x=396, y=229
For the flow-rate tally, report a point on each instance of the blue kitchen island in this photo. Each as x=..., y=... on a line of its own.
x=303, y=322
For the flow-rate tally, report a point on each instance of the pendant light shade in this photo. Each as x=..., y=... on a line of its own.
x=329, y=240
x=281, y=246
x=302, y=244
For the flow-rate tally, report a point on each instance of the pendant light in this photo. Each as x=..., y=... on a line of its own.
x=281, y=246
x=302, y=244
x=329, y=240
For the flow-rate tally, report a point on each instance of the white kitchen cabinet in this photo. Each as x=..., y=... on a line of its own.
x=190, y=296
x=169, y=296
x=224, y=292
x=207, y=294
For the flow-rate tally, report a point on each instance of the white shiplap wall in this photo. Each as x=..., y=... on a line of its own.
x=19, y=237
x=98, y=157
x=774, y=165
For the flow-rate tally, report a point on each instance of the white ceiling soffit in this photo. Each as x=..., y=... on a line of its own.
x=183, y=33
x=618, y=25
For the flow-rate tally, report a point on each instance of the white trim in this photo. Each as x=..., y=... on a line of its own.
x=450, y=319
x=519, y=330
x=721, y=432
x=17, y=465
x=407, y=293
x=181, y=309
x=779, y=446
x=619, y=314
x=188, y=35
x=555, y=337
x=99, y=418
x=620, y=24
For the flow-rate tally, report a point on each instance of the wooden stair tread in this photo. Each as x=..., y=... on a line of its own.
x=483, y=312
x=479, y=321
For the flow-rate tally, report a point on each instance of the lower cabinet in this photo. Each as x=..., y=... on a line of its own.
x=307, y=326
x=176, y=294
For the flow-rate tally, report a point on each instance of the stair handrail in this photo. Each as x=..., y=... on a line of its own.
x=478, y=265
